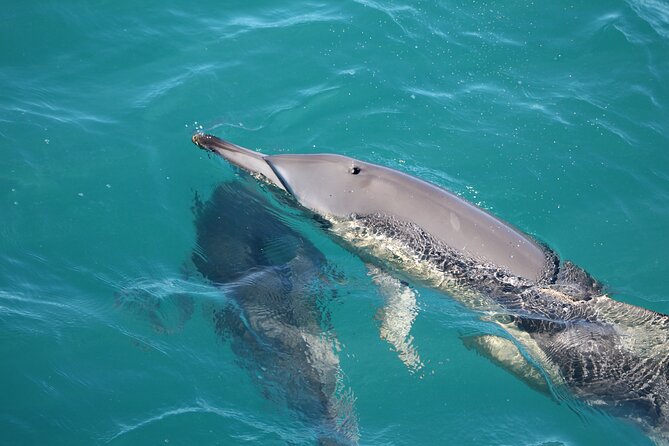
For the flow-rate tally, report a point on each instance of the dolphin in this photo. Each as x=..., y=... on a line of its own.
x=563, y=331
x=271, y=277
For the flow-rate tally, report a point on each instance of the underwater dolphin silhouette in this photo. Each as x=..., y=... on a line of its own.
x=271, y=277
x=564, y=332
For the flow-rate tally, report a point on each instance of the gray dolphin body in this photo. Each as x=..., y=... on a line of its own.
x=565, y=331
x=272, y=279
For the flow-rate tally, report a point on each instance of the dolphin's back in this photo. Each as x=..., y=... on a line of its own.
x=379, y=190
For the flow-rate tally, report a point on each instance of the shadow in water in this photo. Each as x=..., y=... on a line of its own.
x=275, y=318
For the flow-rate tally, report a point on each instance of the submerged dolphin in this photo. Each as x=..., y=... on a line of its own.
x=272, y=278
x=566, y=333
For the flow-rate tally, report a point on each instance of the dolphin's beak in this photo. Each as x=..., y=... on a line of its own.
x=249, y=160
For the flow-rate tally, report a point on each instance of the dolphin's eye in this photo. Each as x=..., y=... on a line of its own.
x=354, y=170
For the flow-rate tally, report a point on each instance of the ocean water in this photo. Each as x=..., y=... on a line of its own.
x=552, y=115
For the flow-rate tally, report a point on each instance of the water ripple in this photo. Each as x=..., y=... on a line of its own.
x=431, y=93
x=494, y=38
x=201, y=406
x=14, y=304
x=653, y=12
x=161, y=88
x=394, y=13
x=59, y=113
x=272, y=19
x=618, y=22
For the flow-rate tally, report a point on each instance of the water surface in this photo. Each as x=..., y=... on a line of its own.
x=552, y=116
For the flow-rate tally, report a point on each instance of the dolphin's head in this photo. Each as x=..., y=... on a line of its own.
x=324, y=183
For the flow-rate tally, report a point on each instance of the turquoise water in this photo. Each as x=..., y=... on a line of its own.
x=552, y=116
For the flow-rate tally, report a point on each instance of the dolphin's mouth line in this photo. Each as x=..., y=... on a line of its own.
x=285, y=185
x=199, y=139
x=196, y=139
x=213, y=144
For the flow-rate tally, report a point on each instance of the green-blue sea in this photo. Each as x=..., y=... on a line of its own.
x=554, y=116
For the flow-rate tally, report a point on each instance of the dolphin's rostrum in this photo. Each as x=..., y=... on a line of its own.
x=566, y=333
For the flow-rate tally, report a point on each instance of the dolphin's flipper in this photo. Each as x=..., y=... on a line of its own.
x=505, y=353
x=397, y=316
